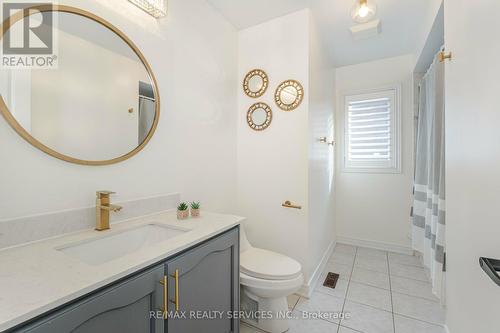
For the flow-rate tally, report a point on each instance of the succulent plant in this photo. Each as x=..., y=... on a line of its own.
x=182, y=206
x=195, y=205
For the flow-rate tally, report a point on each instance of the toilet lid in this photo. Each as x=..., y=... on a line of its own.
x=268, y=265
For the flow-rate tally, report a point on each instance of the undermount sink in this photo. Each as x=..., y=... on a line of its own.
x=97, y=251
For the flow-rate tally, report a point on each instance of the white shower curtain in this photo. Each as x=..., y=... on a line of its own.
x=428, y=213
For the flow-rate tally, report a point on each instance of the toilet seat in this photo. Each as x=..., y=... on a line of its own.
x=268, y=265
x=274, y=285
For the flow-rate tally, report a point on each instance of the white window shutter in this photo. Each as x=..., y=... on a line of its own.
x=372, y=132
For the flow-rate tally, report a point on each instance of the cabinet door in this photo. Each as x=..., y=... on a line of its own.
x=129, y=307
x=207, y=285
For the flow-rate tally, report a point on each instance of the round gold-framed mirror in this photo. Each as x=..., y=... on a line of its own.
x=255, y=83
x=259, y=116
x=100, y=105
x=289, y=95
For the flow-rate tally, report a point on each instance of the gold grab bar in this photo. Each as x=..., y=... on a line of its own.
x=288, y=204
x=176, y=300
x=165, y=296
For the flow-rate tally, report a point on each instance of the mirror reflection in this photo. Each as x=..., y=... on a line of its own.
x=109, y=117
x=255, y=83
x=259, y=116
x=288, y=95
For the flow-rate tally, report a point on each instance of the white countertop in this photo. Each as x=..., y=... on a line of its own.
x=36, y=277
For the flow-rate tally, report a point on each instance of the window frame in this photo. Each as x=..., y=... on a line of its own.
x=394, y=164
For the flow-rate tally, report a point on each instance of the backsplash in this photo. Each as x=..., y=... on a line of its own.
x=32, y=228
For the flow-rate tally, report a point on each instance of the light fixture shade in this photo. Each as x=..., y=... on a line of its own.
x=363, y=11
x=155, y=8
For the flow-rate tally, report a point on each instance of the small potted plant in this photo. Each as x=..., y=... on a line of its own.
x=195, y=209
x=182, y=211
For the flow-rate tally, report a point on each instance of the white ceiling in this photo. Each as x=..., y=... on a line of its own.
x=402, y=24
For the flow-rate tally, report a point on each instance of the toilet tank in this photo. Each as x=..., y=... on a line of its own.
x=244, y=243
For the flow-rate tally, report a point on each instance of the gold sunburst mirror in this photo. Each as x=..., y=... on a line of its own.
x=289, y=95
x=255, y=83
x=259, y=116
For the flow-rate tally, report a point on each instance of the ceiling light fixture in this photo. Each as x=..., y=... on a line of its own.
x=155, y=8
x=363, y=11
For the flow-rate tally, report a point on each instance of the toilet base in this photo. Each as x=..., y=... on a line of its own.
x=274, y=312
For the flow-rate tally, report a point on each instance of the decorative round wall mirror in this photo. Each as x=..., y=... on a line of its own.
x=255, y=83
x=98, y=105
x=289, y=95
x=259, y=116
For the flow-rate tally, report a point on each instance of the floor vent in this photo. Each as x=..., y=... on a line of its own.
x=331, y=280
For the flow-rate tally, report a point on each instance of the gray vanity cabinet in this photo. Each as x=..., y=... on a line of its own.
x=123, y=308
x=206, y=289
x=207, y=281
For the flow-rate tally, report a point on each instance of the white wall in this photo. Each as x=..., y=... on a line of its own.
x=472, y=164
x=321, y=155
x=427, y=25
x=285, y=161
x=272, y=164
x=376, y=207
x=193, y=53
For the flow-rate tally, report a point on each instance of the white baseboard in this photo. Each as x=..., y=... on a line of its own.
x=375, y=245
x=307, y=289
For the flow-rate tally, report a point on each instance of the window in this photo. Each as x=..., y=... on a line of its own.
x=372, y=131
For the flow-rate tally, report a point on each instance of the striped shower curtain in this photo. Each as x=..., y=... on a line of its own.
x=428, y=213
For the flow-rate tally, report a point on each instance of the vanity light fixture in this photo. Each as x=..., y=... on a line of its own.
x=363, y=11
x=155, y=8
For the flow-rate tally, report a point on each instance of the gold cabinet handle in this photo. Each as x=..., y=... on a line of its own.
x=288, y=204
x=176, y=300
x=165, y=296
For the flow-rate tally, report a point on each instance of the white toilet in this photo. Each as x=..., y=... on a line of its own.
x=266, y=279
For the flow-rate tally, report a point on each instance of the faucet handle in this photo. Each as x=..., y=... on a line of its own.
x=100, y=194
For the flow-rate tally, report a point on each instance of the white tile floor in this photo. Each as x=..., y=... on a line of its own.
x=382, y=292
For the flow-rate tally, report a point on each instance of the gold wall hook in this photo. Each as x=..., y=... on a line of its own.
x=324, y=139
x=444, y=56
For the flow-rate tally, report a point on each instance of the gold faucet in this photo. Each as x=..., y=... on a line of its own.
x=102, y=208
